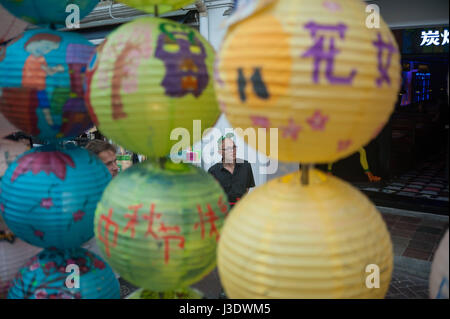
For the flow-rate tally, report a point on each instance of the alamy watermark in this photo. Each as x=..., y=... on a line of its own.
x=208, y=150
x=73, y=280
x=373, y=19
x=73, y=19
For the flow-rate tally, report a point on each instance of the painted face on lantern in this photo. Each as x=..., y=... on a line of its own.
x=184, y=58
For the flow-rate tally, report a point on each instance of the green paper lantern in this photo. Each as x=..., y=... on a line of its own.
x=184, y=293
x=162, y=6
x=148, y=78
x=159, y=227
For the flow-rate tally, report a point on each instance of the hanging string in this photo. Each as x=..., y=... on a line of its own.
x=304, y=174
x=162, y=162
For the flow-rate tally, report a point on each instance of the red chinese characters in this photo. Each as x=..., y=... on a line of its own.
x=211, y=218
x=105, y=238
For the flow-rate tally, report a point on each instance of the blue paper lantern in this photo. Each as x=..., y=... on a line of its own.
x=45, y=12
x=41, y=79
x=49, y=195
x=65, y=274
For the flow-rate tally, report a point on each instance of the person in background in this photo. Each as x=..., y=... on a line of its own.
x=234, y=175
x=107, y=153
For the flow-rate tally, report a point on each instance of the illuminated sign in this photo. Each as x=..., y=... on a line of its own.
x=434, y=38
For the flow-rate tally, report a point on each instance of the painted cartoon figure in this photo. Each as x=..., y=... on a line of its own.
x=184, y=57
x=36, y=69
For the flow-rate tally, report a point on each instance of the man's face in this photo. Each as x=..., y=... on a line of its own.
x=109, y=159
x=228, y=151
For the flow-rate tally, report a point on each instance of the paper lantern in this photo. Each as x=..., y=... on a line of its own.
x=9, y=150
x=286, y=240
x=49, y=195
x=10, y=26
x=186, y=293
x=159, y=227
x=14, y=253
x=439, y=271
x=149, y=77
x=45, y=277
x=42, y=75
x=46, y=12
x=311, y=69
x=161, y=5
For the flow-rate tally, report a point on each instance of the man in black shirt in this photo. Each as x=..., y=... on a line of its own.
x=235, y=175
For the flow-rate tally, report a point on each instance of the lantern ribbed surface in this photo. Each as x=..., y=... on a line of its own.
x=46, y=12
x=285, y=240
x=14, y=254
x=41, y=77
x=49, y=195
x=163, y=6
x=439, y=271
x=313, y=70
x=186, y=293
x=46, y=276
x=149, y=77
x=158, y=228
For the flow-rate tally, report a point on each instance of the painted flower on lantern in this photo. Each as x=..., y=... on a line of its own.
x=343, y=145
x=48, y=162
x=99, y=264
x=34, y=266
x=46, y=203
x=260, y=121
x=40, y=294
x=317, y=121
x=292, y=130
x=184, y=57
x=78, y=215
x=39, y=234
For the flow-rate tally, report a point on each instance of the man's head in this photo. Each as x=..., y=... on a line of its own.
x=227, y=148
x=106, y=152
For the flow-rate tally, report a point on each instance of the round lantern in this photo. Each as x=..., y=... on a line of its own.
x=320, y=241
x=14, y=253
x=314, y=71
x=159, y=227
x=9, y=150
x=65, y=274
x=148, y=78
x=10, y=26
x=184, y=293
x=157, y=6
x=46, y=12
x=41, y=83
x=49, y=195
x=439, y=271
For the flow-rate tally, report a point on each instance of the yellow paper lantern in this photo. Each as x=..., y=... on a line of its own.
x=312, y=69
x=148, y=78
x=286, y=240
x=161, y=5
